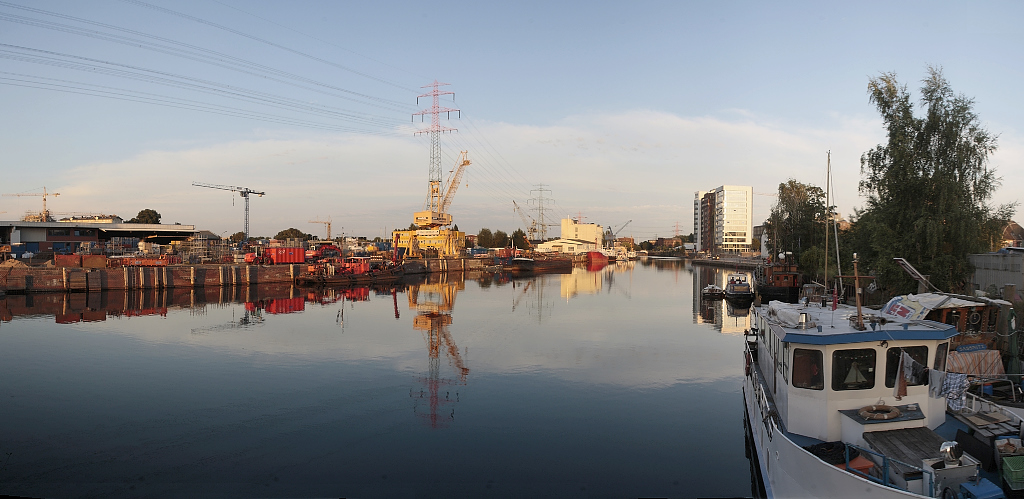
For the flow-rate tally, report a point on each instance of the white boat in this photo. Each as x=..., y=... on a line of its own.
x=712, y=292
x=823, y=420
x=738, y=288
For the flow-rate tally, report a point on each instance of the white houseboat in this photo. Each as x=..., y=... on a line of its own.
x=823, y=416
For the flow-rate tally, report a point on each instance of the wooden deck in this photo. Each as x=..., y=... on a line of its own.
x=909, y=445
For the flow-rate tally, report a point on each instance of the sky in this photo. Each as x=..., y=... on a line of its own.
x=612, y=111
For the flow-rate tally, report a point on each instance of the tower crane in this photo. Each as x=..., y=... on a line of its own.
x=327, y=222
x=45, y=214
x=242, y=191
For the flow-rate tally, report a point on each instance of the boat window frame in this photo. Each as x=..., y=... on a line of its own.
x=785, y=362
x=891, y=364
x=818, y=362
x=941, y=354
x=868, y=384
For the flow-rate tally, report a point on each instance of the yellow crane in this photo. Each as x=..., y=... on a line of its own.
x=45, y=215
x=326, y=222
x=431, y=234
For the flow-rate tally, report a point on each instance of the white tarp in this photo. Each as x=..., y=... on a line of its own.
x=915, y=307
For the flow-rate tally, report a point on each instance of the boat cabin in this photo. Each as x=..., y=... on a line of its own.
x=821, y=370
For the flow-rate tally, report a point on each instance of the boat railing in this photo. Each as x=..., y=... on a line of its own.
x=887, y=462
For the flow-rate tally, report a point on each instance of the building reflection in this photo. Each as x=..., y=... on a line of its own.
x=723, y=314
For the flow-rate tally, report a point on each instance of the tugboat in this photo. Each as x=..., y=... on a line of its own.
x=830, y=411
x=780, y=279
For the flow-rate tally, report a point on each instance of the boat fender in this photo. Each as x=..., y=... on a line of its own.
x=879, y=412
x=746, y=367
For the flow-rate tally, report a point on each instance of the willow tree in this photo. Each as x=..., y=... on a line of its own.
x=928, y=186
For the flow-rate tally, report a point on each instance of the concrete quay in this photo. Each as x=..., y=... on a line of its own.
x=76, y=279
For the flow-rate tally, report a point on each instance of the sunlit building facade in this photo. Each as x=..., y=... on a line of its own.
x=723, y=219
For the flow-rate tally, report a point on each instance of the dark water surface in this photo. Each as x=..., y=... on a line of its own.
x=616, y=383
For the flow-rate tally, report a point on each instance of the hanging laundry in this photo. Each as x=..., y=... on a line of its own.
x=954, y=387
x=936, y=379
x=899, y=389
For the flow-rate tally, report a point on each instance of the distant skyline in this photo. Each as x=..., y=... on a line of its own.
x=621, y=111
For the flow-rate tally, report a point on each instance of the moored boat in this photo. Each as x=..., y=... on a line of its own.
x=830, y=412
x=737, y=288
x=779, y=279
x=712, y=292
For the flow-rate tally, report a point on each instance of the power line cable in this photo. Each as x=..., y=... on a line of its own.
x=261, y=40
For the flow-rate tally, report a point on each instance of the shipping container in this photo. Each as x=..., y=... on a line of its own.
x=286, y=255
x=67, y=260
x=94, y=261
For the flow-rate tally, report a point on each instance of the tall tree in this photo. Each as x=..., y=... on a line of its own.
x=928, y=186
x=797, y=220
x=484, y=238
x=500, y=239
x=519, y=239
x=146, y=216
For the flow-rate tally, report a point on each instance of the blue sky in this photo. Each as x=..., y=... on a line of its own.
x=620, y=110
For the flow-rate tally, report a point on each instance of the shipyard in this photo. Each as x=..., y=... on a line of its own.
x=570, y=250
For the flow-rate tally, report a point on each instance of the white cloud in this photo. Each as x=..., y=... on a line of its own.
x=641, y=165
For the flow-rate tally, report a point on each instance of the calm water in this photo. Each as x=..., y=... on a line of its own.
x=616, y=383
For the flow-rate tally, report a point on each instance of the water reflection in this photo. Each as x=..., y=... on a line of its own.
x=433, y=302
x=726, y=316
x=463, y=387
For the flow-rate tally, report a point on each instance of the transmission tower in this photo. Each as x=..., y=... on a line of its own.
x=539, y=202
x=435, y=129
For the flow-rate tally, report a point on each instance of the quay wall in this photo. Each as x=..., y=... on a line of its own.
x=76, y=279
x=731, y=263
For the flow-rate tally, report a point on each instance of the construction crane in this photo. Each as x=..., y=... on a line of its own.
x=242, y=191
x=531, y=226
x=615, y=234
x=327, y=222
x=454, y=179
x=45, y=215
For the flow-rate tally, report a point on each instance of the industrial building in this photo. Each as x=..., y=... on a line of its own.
x=73, y=235
x=723, y=219
x=576, y=238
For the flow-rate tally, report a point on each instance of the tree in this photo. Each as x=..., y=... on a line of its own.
x=237, y=237
x=519, y=239
x=292, y=233
x=413, y=227
x=500, y=239
x=484, y=238
x=797, y=219
x=928, y=186
x=146, y=216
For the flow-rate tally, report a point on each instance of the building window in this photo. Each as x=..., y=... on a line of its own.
x=892, y=362
x=59, y=232
x=807, y=369
x=853, y=369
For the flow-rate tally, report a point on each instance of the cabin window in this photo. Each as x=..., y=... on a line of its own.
x=940, y=357
x=853, y=369
x=892, y=362
x=807, y=369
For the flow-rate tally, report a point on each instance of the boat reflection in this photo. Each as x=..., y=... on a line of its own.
x=727, y=316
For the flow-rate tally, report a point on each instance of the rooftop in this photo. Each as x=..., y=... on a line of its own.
x=813, y=324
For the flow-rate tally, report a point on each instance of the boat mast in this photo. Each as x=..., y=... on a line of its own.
x=828, y=212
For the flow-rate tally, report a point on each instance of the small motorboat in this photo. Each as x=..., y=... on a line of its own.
x=712, y=292
x=737, y=288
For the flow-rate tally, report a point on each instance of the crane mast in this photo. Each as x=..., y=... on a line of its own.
x=45, y=215
x=242, y=191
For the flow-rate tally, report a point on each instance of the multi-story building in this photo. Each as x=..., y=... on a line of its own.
x=723, y=219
